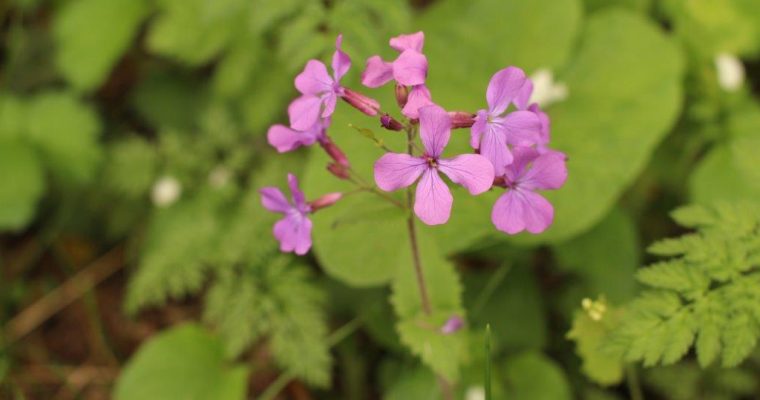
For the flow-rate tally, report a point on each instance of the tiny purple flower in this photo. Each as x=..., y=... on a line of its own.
x=408, y=69
x=433, y=200
x=286, y=139
x=493, y=132
x=521, y=208
x=452, y=325
x=293, y=231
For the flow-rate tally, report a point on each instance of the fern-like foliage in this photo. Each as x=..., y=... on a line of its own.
x=706, y=295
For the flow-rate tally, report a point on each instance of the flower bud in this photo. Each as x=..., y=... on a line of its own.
x=452, y=325
x=390, y=123
x=334, y=152
x=461, y=119
x=325, y=201
x=402, y=95
x=166, y=191
x=339, y=171
x=365, y=104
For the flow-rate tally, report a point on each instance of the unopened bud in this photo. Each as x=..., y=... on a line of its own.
x=339, y=171
x=334, y=151
x=452, y=325
x=461, y=119
x=325, y=201
x=361, y=102
x=402, y=95
x=390, y=123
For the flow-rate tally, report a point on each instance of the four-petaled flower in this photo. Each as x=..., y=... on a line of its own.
x=433, y=199
x=493, y=132
x=521, y=208
x=319, y=91
x=408, y=69
x=293, y=231
x=286, y=139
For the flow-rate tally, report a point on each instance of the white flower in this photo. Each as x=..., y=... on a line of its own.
x=475, y=393
x=730, y=72
x=166, y=191
x=219, y=176
x=545, y=90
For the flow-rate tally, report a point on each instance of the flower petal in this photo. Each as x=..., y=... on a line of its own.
x=493, y=146
x=329, y=100
x=435, y=129
x=522, y=156
x=418, y=97
x=473, y=171
x=410, y=68
x=274, y=200
x=294, y=233
x=412, y=41
x=544, y=134
x=477, y=129
x=523, y=95
x=503, y=88
x=298, y=197
x=521, y=128
x=432, y=202
x=519, y=210
x=314, y=78
x=341, y=62
x=285, y=139
x=394, y=171
x=304, y=112
x=377, y=72
x=548, y=172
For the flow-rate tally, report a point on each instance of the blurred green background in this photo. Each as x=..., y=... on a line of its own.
x=136, y=262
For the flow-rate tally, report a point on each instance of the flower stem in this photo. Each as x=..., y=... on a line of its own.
x=634, y=386
x=413, y=236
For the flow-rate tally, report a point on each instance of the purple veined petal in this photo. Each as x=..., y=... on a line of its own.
x=329, y=100
x=503, y=88
x=298, y=197
x=433, y=200
x=377, y=72
x=518, y=210
x=544, y=134
x=274, y=200
x=418, y=97
x=294, y=233
x=412, y=41
x=523, y=95
x=435, y=129
x=493, y=146
x=314, y=79
x=410, y=68
x=521, y=128
x=341, y=62
x=472, y=171
x=304, y=111
x=477, y=129
x=547, y=172
x=394, y=171
x=522, y=156
x=285, y=139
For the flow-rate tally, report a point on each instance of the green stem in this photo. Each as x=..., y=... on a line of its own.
x=634, y=385
x=491, y=287
x=488, y=363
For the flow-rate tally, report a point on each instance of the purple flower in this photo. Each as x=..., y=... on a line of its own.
x=408, y=69
x=433, y=199
x=521, y=208
x=452, y=325
x=521, y=102
x=285, y=139
x=293, y=231
x=319, y=91
x=494, y=132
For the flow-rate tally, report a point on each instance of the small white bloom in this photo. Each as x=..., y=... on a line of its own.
x=545, y=90
x=219, y=176
x=475, y=393
x=166, y=191
x=730, y=72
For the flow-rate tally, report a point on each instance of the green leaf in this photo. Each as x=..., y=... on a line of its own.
x=66, y=132
x=533, y=376
x=132, y=167
x=589, y=335
x=419, y=384
x=91, y=36
x=12, y=117
x=22, y=185
x=182, y=363
x=716, y=178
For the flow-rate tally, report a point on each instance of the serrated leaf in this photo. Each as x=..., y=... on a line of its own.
x=183, y=363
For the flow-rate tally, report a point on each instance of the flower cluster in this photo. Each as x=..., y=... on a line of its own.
x=510, y=140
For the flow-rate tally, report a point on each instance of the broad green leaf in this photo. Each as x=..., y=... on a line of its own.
x=22, y=184
x=589, y=334
x=533, y=376
x=638, y=5
x=717, y=178
x=66, y=132
x=184, y=362
x=418, y=384
x=91, y=36
x=12, y=117
x=132, y=166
